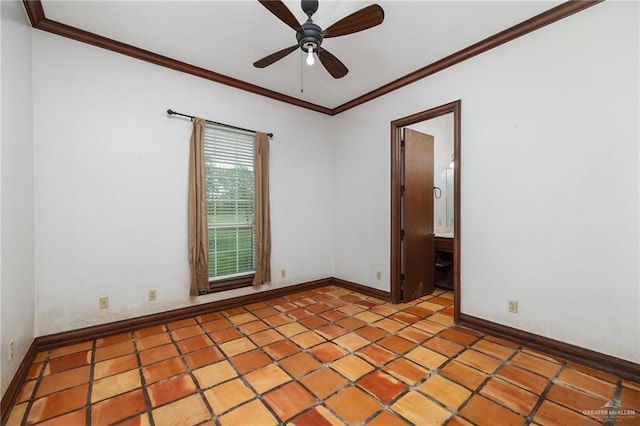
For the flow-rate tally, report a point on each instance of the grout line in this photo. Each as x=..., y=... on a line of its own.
x=543, y=395
x=615, y=406
x=143, y=381
x=94, y=347
x=34, y=392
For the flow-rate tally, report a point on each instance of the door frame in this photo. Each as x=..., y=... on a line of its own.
x=396, y=197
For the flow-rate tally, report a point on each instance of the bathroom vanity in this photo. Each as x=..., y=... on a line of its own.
x=443, y=247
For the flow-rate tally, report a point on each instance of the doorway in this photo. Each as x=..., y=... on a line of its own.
x=398, y=259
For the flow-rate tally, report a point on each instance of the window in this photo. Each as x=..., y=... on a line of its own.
x=230, y=192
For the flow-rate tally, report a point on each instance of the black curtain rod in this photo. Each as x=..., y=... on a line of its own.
x=172, y=112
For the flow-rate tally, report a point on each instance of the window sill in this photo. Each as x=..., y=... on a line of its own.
x=230, y=284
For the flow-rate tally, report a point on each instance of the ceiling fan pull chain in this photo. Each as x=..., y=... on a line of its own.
x=301, y=72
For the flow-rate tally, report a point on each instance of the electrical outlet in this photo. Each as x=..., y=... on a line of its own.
x=513, y=306
x=104, y=302
x=283, y=273
x=378, y=275
x=11, y=349
x=152, y=295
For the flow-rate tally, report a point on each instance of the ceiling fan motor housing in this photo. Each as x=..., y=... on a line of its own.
x=311, y=35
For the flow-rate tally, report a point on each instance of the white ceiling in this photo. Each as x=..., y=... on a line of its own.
x=228, y=36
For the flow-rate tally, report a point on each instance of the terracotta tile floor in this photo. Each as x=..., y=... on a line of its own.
x=323, y=357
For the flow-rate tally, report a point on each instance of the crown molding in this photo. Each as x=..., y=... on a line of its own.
x=38, y=20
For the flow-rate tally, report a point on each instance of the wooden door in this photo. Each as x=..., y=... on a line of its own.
x=417, y=252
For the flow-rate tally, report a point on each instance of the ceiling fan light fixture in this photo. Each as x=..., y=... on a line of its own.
x=310, y=47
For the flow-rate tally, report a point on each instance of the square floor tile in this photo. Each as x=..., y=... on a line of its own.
x=281, y=349
x=299, y=364
x=351, y=341
x=352, y=367
x=420, y=410
x=152, y=341
x=216, y=325
x=114, y=366
x=254, y=410
x=237, y=346
x=249, y=361
x=266, y=337
x=58, y=403
x=308, y=339
x=328, y=352
x=509, y=395
x=523, y=378
x=64, y=380
x=118, y=408
x=386, y=418
x=228, y=395
x=554, y=414
x=115, y=385
x=376, y=355
x=291, y=329
x=181, y=323
x=194, y=343
x=66, y=350
x=406, y=371
x=414, y=334
x=446, y=347
x=331, y=331
x=157, y=354
x=587, y=383
x=318, y=416
x=389, y=325
x=68, y=362
x=78, y=417
x=324, y=382
x=267, y=378
x=225, y=335
x=535, y=364
x=371, y=333
x=478, y=360
x=463, y=374
x=213, y=374
x=398, y=345
x=171, y=389
x=481, y=411
x=253, y=327
x=426, y=358
x=289, y=400
x=574, y=399
x=459, y=337
x=447, y=392
x=353, y=405
x=187, y=411
x=202, y=357
x=186, y=332
x=493, y=349
x=382, y=386
x=163, y=369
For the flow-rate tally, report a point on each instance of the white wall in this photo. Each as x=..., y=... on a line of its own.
x=16, y=190
x=111, y=183
x=550, y=185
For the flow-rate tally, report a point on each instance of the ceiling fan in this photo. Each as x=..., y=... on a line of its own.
x=310, y=35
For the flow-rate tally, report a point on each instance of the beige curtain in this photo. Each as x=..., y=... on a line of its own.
x=263, y=217
x=197, y=222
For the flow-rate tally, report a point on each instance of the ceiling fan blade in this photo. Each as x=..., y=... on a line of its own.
x=363, y=19
x=332, y=64
x=268, y=60
x=282, y=12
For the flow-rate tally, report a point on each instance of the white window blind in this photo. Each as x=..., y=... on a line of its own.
x=229, y=173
